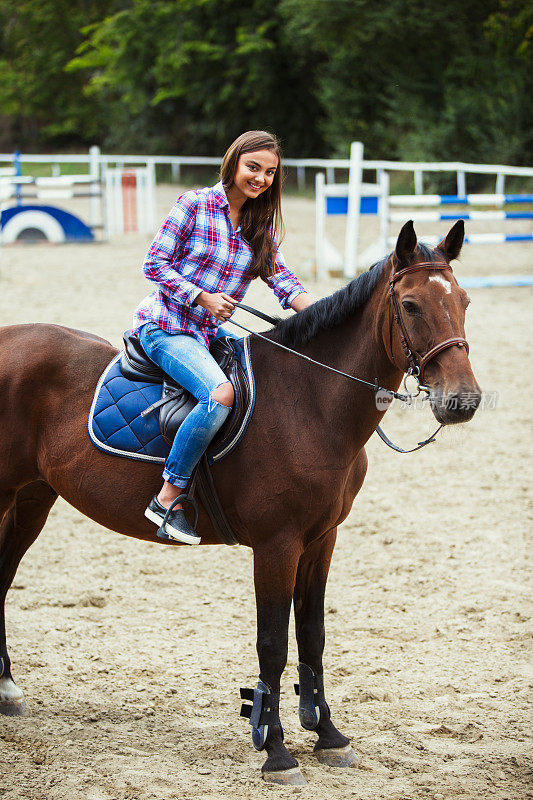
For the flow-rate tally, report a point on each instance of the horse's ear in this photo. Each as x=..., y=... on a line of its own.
x=452, y=243
x=406, y=245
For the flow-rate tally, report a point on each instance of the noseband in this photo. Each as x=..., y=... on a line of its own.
x=417, y=363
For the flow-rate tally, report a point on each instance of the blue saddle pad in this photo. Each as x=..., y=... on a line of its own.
x=115, y=424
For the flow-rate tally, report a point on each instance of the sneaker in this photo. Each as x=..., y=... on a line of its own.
x=176, y=526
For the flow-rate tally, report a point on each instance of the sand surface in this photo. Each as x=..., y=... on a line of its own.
x=131, y=655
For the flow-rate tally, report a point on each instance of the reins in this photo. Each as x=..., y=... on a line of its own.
x=377, y=388
x=417, y=362
x=272, y=321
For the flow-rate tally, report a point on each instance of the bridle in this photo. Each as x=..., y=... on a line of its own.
x=417, y=363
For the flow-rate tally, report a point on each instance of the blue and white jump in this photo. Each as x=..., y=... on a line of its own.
x=436, y=200
x=23, y=218
x=115, y=206
x=27, y=220
x=357, y=198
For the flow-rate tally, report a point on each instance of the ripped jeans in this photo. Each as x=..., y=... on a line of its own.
x=192, y=366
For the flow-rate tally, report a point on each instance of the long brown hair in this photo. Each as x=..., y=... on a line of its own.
x=261, y=216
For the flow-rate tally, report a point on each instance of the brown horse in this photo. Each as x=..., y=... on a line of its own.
x=303, y=452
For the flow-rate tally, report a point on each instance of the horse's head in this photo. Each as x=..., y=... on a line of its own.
x=426, y=327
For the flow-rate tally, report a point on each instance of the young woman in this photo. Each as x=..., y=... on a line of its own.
x=211, y=245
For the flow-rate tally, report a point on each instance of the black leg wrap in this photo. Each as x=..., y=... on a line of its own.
x=263, y=713
x=312, y=706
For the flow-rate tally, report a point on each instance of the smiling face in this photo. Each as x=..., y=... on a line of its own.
x=254, y=174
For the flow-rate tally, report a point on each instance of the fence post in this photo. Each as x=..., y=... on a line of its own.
x=354, y=208
x=419, y=181
x=320, y=227
x=383, y=210
x=95, y=207
x=500, y=183
x=300, y=172
x=176, y=171
x=461, y=183
x=150, y=203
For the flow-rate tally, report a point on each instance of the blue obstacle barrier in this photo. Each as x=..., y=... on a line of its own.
x=434, y=200
x=30, y=222
x=473, y=199
x=494, y=281
x=339, y=205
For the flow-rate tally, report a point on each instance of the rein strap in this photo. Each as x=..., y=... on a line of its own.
x=415, y=369
x=375, y=386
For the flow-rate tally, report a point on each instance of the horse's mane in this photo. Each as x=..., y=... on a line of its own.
x=336, y=308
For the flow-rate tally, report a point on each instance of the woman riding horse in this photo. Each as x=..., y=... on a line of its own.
x=285, y=488
x=209, y=248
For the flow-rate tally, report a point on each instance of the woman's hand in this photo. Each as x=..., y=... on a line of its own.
x=220, y=305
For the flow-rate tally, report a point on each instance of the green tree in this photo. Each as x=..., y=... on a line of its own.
x=191, y=75
x=40, y=101
x=420, y=79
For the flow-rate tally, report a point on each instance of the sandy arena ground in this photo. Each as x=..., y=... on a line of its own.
x=131, y=656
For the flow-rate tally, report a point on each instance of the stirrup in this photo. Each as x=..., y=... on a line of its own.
x=181, y=498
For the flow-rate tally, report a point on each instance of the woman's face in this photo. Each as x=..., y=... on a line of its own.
x=255, y=173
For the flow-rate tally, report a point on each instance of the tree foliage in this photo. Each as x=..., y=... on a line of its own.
x=412, y=79
x=40, y=102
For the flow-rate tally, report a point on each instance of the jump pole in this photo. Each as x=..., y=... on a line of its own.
x=434, y=201
x=130, y=200
x=354, y=203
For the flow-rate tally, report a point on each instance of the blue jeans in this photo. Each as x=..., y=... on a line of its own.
x=192, y=366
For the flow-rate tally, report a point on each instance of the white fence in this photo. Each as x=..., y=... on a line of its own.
x=418, y=169
x=107, y=215
x=355, y=198
x=120, y=201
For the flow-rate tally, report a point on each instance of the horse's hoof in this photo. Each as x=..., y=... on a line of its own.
x=287, y=777
x=12, y=702
x=14, y=709
x=338, y=756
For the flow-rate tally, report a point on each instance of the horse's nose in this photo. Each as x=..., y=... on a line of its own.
x=451, y=408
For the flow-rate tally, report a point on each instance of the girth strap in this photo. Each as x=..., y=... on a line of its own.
x=210, y=500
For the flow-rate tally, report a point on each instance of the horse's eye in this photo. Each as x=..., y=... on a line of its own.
x=410, y=307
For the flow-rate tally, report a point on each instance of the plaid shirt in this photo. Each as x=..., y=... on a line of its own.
x=195, y=250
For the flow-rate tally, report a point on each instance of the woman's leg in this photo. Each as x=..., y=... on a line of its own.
x=191, y=365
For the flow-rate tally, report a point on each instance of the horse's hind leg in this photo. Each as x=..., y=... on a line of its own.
x=22, y=522
x=332, y=747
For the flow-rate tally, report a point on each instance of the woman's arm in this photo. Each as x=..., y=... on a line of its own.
x=159, y=264
x=287, y=287
x=301, y=301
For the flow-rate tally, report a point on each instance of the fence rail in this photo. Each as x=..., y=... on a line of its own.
x=418, y=168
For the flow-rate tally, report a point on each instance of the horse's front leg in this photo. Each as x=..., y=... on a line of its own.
x=332, y=747
x=275, y=565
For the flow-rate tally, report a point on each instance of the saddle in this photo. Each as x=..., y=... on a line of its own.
x=176, y=403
